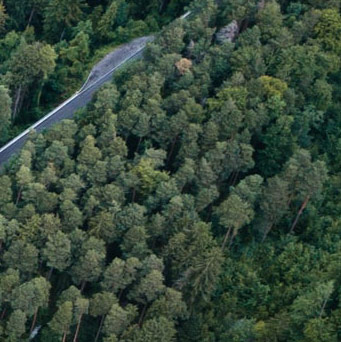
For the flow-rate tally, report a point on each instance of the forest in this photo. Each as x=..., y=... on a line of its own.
x=47, y=48
x=195, y=198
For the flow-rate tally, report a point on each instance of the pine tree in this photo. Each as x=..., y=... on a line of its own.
x=81, y=307
x=30, y=64
x=62, y=320
x=120, y=273
x=100, y=305
x=3, y=17
x=59, y=15
x=15, y=327
x=233, y=214
x=5, y=111
x=23, y=256
x=31, y=296
x=57, y=252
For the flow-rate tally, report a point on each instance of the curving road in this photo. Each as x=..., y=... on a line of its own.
x=99, y=75
x=66, y=110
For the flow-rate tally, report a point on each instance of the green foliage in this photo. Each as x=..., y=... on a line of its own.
x=5, y=113
x=196, y=198
x=78, y=30
x=328, y=30
x=57, y=251
x=270, y=20
x=114, y=16
x=62, y=319
x=60, y=15
x=3, y=17
x=15, y=327
x=148, y=178
x=30, y=65
x=273, y=86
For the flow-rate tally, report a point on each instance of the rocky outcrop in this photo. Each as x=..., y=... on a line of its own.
x=228, y=33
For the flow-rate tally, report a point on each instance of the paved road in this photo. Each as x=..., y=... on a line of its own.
x=67, y=109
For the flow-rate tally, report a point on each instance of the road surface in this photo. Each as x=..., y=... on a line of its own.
x=66, y=110
x=100, y=74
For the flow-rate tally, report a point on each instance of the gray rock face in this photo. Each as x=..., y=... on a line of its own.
x=228, y=33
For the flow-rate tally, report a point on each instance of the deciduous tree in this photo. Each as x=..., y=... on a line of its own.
x=30, y=64
x=5, y=111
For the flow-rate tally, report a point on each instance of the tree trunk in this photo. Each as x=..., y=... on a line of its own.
x=18, y=196
x=3, y=313
x=138, y=144
x=232, y=238
x=62, y=35
x=226, y=238
x=77, y=329
x=133, y=195
x=39, y=94
x=83, y=286
x=303, y=206
x=235, y=178
x=17, y=102
x=163, y=4
x=34, y=320
x=322, y=308
x=142, y=315
x=50, y=273
x=172, y=149
x=31, y=17
x=230, y=178
x=291, y=196
x=267, y=231
x=100, y=328
x=64, y=337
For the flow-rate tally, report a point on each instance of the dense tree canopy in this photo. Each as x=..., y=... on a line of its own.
x=47, y=47
x=196, y=198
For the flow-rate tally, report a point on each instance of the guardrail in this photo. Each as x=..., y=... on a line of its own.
x=186, y=15
x=78, y=93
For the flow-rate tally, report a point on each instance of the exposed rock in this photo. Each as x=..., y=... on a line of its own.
x=228, y=33
x=191, y=45
x=190, y=48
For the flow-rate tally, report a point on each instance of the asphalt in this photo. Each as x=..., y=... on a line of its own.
x=67, y=109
